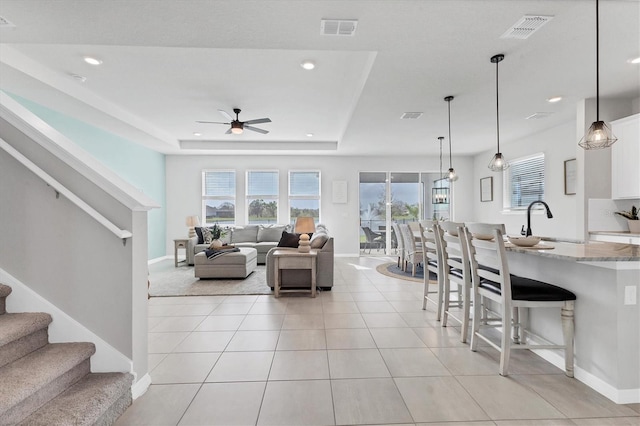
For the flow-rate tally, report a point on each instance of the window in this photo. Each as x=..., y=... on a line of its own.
x=304, y=195
x=219, y=197
x=524, y=182
x=262, y=196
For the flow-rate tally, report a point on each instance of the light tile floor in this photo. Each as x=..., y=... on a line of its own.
x=364, y=353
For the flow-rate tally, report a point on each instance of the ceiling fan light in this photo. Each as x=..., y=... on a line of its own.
x=598, y=136
x=452, y=176
x=498, y=163
x=236, y=128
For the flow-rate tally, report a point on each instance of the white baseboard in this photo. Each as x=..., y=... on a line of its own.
x=158, y=259
x=63, y=328
x=619, y=396
x=141, y=386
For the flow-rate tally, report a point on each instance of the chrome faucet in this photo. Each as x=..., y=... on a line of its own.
x=528, y=231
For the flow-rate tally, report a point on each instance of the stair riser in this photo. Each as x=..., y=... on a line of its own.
x=25, y=408
x=116, y=410
x=21, y=347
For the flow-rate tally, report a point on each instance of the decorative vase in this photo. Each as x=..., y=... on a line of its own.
x=634, y=226
x=216, y=244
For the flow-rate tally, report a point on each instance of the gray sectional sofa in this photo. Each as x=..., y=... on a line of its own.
x=260, y=237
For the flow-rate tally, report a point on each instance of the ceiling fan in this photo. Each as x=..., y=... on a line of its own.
x=238, y=126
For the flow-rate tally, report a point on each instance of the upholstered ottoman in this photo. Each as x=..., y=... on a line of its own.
x=231, y=265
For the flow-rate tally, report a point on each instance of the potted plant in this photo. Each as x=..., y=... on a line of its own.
x=632, y=219
x=217, y=232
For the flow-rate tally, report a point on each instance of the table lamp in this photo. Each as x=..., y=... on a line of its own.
x=304, y=224
x=191, y=222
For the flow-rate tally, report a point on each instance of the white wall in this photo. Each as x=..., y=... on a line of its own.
x=559, y=143
x=184, y=187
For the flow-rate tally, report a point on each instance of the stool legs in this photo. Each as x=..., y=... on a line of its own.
x=567, y=314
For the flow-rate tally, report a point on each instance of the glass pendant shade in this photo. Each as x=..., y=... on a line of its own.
x=598, y=136
x=498, y=163
x=452, y=176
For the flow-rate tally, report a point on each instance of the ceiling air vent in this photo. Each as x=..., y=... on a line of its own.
x=526, y=26
x=5, y=23
x=538, y=115
x=411, y=115
x=339, y=27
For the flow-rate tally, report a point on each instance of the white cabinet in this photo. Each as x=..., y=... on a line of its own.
x=625, y=158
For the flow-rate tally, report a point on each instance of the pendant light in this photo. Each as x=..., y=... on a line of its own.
x=599, y=134
x=440, y=195
x=452, y=176
x=498, y=163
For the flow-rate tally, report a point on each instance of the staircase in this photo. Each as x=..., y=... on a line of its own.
x=44, y=383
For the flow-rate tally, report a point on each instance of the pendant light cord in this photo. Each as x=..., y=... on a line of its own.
x=449, y=109
x=597, y=64
x=498, y=108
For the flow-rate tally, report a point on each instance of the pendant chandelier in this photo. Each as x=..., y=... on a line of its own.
x=452, y=176
x=599, y=134
x=498, y=163
x=440, y=195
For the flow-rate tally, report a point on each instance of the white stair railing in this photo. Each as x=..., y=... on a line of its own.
x=61, y=189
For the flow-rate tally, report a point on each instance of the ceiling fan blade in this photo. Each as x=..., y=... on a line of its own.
x=213, y=122
x=258, y=121
x=228, y=132
x=225, y=114
x=255, y=129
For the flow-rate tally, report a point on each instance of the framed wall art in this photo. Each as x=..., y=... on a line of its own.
x=570, y=176
x=486, y=189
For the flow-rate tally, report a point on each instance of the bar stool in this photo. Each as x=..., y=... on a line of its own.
x=432, y=246
x=491, y=280
x=457, y=270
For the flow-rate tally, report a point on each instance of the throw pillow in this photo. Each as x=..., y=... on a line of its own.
x=289, y=240
x=207, y=236
x=270, y=232
x=245, y=234
x=318, y=240
x=199, y=233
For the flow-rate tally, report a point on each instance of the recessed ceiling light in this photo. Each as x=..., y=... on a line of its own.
x=309, y=135
x=554, y=99
x=79, y=78
x=634, y=60
x=197, y=134
x=308, y=65
x=92, y=61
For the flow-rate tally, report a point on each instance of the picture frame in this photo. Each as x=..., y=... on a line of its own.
x=486, y=189
x=570, y=171
x=339, y=192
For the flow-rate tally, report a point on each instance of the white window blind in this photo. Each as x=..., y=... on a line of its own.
x=304, y=184
x=262, y=183
x=524, y=182
x=220, y=183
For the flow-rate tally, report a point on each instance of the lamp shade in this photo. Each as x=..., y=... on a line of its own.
x=305, y=225
x=598, y=136
x=498, y=163
x=192, y=221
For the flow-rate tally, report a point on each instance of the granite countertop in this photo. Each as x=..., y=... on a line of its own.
x=618, y=233
x=592, y=251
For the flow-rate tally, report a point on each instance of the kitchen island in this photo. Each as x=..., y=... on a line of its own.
x=605, y=278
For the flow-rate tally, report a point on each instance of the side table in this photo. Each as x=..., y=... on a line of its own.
x=177, y=244
x=287, y=259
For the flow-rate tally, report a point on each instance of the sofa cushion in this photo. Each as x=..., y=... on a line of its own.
x=245, y=234
x=289, y=240
x=318, y=240
x=270, y=233
x=207, y=236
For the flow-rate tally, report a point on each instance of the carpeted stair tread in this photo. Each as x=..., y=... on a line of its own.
x=16, y=326
x=5, y=290
x=27, y=375
x=84, y=403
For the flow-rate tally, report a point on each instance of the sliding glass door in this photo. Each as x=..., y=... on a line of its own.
x=401, y=197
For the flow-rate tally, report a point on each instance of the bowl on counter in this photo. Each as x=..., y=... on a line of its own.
x=521, y=241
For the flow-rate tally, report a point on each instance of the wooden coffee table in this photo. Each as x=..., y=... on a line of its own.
x=288, y=259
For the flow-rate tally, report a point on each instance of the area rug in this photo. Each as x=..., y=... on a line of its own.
x=391, y=270
x=182, y=282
